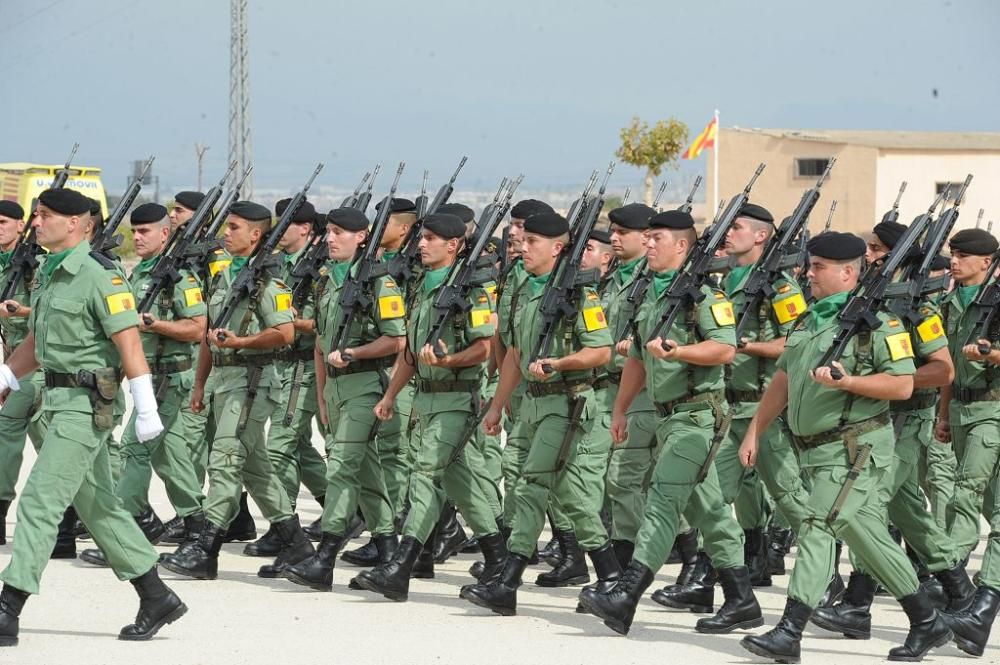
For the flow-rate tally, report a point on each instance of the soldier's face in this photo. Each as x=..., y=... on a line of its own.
x=294, y=237
x=664, y=251
x=149, y=239
x=539, y=253
x=57, y=232
x=875, y=249
x=969, y=269
x=240, y=236
x=341, y=243
x=742, y=237
x=395, y=231
x=627, y=244
x=594, y=256
x=828, y=277
x=9, y=228
x=179, y=215
x=516, y=236
x=435, y=251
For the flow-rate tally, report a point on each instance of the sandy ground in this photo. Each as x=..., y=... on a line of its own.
x=241, y=618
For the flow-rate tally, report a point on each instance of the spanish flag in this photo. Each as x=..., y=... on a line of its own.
x=704, y=140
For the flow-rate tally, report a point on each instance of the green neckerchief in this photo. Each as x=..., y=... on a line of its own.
x=967, y=293
x=537, y=282
x=735, y=276
x=237, y=264
x=433, y=278
x=626, y=270
x=662, y=281
x=339, y=271
x=5, y=259
x=53, y=260
x=389, y=253
x=146, y=264
x=827, y=308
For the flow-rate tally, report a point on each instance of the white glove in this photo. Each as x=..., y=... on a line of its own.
x=7, y=379
x=147, y=420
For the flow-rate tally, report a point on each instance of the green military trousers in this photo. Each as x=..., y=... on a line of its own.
x=240, y=459
x=73, y=467
x=936, y=476
x=16, y=423
x=779, y=470
x=686, y=437
x=630, y=467
x=741, y=487
x=394, y=449
x=860, y=523
x=289, y=439
x=553, y=468
x=515, y=452
x=167, y=454
x=975, y=433
x=353, y=471
x=443, y=469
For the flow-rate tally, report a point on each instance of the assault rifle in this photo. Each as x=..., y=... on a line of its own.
x=421, y=201
x=106, y=239
x=250, y=279
x=663, y=187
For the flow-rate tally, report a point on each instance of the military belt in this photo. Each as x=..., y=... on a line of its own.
x=448, y=386
x=734, y=396
x=82, y=379
x=608, y=380
x=851, y=430
x=358, y=366
x=226, y=360
x=170, y=367
x=294, y=355
x=975, y=394
x=915, y=403
x=539, y=389
x=666, y=408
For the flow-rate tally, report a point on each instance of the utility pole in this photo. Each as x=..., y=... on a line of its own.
x=240, y=145
x=200, y=150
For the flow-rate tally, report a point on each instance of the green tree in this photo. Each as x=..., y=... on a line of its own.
x=652, y=148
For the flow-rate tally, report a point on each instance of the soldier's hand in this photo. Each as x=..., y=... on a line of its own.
x=748, y=452
x=336, y=358
x=385, y=409
x=971, y=351
x=13, y=309
x=655, y=348
x=623, y=347
x=324, y=417
x=428, y=357
x=537, y=368
x=224, y=339
x=619, y=428
x=491, y=422
x=824, y=376
x=146, y=322
x=942, y=431
x=198, y=399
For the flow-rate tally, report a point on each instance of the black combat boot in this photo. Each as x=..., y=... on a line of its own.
x=243, y=526
x=852, y=615
x=573, y=567
x=928, y=629
x=779, y=543
x=199, y=559
x=608, y=570
x=958, y=587
x=174, y=531
x=624, y=549
x=971, y=626
x=552, y=552
x=385, y=547
x=477, y=569
x=150, y=524
x=365, y=556
x=188, y=530
x=783, y=643
x=316, y=572
x=423, y=569
x=392, y=578
x=295, y=547
x=494, y=549
x=11, y=604
x=687, y=548
x=755, y=557
x=267, y=545
x=835, y=589
x=739, y=610
x=94, y=556
x=616, y=606
x=698, y=595
x=158, y=606
x=4, y=508
x=450, y=534
x=500, y=594
x=65, y=547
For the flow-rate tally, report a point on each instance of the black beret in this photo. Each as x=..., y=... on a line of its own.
x=65, y=201
x=940, y=262
x=528, y=207
x=889, y=232
x=306, y=214
x=148, y=213
x=754, y=211
x=95, y=207
x=548, y=224
x=978, y=242
x=445, y=225
x=348, y=219
x=601, y=235
x=837, y=246
x=672, y=219
x=632, y=216
x=190, y=200
x=251, y=211
x=460, y=210
x=398, y=205
x=11, y=209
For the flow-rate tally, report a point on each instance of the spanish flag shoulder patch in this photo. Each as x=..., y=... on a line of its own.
x=391, y=307
x=930, y=329
x=120, y=302
x=900, y=346
x=594, y=319
x=790, y=308
x=723, y=314
x=117, y=281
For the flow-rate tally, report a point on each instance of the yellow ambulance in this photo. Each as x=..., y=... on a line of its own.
x=23, y=182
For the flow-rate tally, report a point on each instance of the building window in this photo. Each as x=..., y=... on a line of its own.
x=811, y=168
x=953, y=189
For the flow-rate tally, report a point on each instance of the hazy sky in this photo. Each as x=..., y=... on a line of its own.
x=520, y=86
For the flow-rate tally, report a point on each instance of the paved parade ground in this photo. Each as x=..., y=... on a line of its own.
x=243, y=619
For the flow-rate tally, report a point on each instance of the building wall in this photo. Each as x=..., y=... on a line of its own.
x=922, y=171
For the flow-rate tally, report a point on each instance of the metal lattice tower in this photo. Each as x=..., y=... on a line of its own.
x=240, y=145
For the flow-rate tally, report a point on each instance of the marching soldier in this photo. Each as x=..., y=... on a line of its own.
x=245, y=394
x=842, y=429
x=82, y=328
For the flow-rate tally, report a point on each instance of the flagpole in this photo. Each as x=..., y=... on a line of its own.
x=715, y=169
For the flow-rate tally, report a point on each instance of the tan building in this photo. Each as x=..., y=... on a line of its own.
x=866, y=177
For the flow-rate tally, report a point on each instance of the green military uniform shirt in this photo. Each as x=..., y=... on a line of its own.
x=183, y=301
x=304, y=341
x=928, y=336
x=960, y=321
x=613, y=297
x=14, y=329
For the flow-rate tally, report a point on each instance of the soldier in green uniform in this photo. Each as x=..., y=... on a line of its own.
x=82, y=328
x=559, y=409
x=176, y=319
x=682, y=371
x=967, y=416
x=913, y=424
x=19, y=407
x=842, y=429
x=448, y=401
x=351, y=382
x=245, y=393
x=289, y=439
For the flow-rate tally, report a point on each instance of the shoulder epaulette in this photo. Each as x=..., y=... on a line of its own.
x=105, y=262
